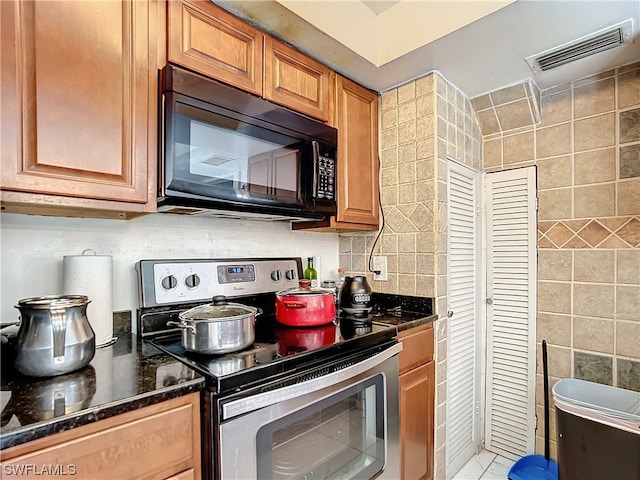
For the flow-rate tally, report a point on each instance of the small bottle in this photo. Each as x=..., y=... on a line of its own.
x=341, y=275
x=310, y=273
x=340, y=282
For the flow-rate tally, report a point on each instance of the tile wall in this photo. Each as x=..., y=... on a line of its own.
x=587, y=152
x=422, y=123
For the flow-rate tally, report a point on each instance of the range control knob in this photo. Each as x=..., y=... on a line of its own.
x=192, y=281
x=276, y=275
x=290, y=274
x=169, y=282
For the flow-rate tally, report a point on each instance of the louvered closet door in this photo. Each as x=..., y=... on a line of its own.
x=511, y=311
x=464, y=341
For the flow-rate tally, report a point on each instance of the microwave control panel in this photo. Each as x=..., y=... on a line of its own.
x=326, y=178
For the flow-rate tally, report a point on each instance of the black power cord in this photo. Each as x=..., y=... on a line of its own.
x=373, y=247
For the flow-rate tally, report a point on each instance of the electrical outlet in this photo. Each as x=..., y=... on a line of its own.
x=380, y=264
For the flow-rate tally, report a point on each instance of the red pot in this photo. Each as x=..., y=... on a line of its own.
x=304, y=306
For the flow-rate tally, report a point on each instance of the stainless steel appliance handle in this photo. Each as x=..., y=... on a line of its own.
x=255, y=402
x=316, y=159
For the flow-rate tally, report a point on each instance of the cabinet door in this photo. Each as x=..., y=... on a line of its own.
x=357, y=177
x=78, y=101
x=358, y=200
x=209, y=40
x=296, y=81
x=417, y=347
x=416, y=422
x=157, y=441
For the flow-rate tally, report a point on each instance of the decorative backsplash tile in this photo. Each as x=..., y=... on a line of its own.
x=613, y=232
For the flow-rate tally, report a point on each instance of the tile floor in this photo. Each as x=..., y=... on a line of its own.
x=485, y=466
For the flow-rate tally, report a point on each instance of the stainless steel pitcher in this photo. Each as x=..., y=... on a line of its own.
x=55, y=336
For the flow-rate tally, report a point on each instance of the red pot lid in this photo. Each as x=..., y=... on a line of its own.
x=304, y=289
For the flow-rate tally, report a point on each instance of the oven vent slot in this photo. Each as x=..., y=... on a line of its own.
x=586, y=46
x=320, y=371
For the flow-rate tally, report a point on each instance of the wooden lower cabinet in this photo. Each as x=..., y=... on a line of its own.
x=416, y=403
x=161, y=441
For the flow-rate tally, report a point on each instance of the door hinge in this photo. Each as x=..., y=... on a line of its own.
x=537, y=204
x=477, y=407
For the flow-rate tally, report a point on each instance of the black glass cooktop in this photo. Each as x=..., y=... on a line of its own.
x=281, y=350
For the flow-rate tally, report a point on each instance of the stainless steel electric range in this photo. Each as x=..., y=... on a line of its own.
x=313, y=402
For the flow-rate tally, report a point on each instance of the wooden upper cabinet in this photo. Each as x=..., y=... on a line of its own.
x=296, y=81
x=205, y=38
x=357, y=123
x=357, y=183
x=79, y=87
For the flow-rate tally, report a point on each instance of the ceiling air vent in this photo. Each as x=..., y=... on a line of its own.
x=597, y=42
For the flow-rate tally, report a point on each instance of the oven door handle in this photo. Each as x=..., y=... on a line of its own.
x=255, y=402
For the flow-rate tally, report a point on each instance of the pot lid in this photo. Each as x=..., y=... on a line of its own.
x=218, y=309
x=304, y=289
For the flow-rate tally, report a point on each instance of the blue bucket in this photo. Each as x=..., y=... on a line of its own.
x=534, y=467
x=538, y=467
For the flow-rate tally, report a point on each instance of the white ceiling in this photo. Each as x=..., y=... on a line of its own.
x=379, y=6
x=479, y=46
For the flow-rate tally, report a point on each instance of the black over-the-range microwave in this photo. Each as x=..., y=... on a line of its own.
x=225, y=151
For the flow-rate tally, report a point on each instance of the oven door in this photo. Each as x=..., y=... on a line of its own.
x=340, y=425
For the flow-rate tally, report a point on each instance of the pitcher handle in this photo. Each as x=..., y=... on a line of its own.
x=59, y=327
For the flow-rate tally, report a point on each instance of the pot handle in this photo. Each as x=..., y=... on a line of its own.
x=182, y=325
x=295, y=304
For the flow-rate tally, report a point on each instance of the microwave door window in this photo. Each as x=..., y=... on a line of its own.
x=216, y=156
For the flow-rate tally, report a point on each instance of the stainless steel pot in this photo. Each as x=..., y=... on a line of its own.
x=218, y=327
x=54, y=335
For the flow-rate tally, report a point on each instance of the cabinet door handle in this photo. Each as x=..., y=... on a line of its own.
x=449, y=313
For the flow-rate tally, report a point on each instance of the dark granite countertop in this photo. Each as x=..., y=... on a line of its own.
x=121, y=377
x=129, y=375
x=402, y=311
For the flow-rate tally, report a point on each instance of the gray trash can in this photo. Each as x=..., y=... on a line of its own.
x=598, y=431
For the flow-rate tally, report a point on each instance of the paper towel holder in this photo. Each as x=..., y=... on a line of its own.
x=100, y=314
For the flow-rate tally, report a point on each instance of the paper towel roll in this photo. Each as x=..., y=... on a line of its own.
x=92, y=275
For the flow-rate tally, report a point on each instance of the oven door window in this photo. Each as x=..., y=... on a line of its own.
x=213, y=155
x=342, y=436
